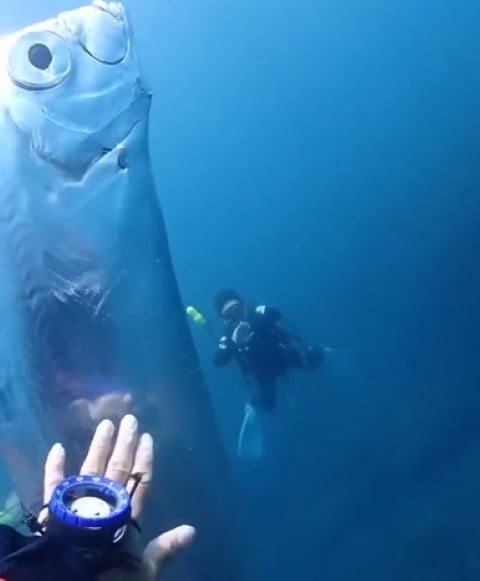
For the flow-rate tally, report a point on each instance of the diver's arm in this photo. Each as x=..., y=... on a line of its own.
x=11, y=541
x=270, y=315
x=223, y=353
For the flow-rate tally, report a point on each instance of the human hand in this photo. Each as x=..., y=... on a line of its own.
x=241, y=333
x=112, y=406
x=119, y=460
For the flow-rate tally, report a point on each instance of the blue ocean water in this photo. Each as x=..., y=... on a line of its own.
x=322, y=157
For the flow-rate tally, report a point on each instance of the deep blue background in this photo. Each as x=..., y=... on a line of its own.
x=323, y=156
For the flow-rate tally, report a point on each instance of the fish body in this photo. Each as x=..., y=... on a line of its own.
x=92, y=319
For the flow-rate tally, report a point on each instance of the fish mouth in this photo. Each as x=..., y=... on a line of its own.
x=77, y=166
x=120, y=148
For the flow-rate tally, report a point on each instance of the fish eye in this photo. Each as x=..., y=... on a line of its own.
x=40, y=56
x=39, y=60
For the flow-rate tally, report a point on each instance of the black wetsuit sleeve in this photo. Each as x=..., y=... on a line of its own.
x=11, y=541
x=224, y=352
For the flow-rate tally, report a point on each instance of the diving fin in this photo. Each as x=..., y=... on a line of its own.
x=250, y=439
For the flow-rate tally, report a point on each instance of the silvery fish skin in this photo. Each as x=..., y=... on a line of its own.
x=92, y=320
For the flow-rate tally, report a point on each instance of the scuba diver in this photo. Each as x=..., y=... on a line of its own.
x=265, y=352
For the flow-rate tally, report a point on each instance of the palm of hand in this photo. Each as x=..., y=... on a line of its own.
x=242, y=333
x=119, y=460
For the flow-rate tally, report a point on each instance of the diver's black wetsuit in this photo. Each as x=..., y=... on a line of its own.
x=266, y=354
x=35, y=564
x=56, y=558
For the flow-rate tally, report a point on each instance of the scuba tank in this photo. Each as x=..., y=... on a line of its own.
x=86, y=533
x=199, y=319
x=196, y=315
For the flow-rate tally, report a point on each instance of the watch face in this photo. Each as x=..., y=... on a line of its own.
x=91, y=507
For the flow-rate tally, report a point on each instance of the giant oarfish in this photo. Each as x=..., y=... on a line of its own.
x=92, y=322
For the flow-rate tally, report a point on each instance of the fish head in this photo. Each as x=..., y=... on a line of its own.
x=74, y=111
x=78, y=207
x=72, y=88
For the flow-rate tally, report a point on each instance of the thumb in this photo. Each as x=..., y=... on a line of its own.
x=165, y=546
x=54, y=474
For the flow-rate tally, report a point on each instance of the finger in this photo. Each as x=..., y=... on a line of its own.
x=142, y=465
x=54, y=471
x=80, y=409
x=122, y=405
x=120, y=464
x=54, y=474
x=165, y=546
x=100, y=408
x=127, y=401
x=100, y=447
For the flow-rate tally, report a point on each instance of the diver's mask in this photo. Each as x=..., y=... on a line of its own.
x=232, y=310
x=88, y=531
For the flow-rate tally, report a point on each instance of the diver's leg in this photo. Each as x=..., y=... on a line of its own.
x=250, y=438
x=265, y=398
